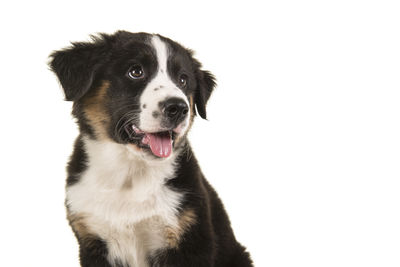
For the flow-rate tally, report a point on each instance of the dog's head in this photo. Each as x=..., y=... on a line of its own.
x=137, y=89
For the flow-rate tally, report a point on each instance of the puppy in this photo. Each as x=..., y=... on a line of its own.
x=135, y=195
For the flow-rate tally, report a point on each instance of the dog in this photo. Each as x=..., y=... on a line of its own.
x=135, y=194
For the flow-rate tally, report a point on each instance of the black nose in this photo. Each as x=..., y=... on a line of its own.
x=175, y=110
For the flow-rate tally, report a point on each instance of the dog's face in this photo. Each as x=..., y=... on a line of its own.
x=137, y=89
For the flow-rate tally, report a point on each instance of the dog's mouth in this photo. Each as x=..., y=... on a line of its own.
x=159, y=143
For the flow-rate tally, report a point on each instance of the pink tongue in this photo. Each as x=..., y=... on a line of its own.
x=160, y=144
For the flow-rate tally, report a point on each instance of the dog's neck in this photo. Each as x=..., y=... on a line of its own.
x=117, y=166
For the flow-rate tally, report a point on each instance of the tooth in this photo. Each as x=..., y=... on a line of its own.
x=136, y=129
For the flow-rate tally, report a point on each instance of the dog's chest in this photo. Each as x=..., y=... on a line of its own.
x=127, y=205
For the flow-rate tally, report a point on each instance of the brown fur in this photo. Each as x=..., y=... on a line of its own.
x=77, y=222
x=174, y=235
x=94, y=106
x=81, y=230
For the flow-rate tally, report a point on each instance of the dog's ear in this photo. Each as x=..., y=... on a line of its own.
x=205, y=85
x=76, y=67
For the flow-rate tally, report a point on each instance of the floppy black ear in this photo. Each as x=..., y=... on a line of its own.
x=205, y=85
x=76, y=66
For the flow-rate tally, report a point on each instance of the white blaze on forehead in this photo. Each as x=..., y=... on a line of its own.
x=162, y=53
x=159, y=89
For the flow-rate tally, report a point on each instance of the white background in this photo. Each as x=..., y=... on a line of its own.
x=302, y=141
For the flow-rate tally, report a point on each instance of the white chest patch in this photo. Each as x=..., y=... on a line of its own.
x=125, y=201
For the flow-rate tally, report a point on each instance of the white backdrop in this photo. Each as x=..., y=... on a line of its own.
x=302, y=141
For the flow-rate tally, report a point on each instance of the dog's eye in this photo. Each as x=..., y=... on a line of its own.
x=136, y=72
x=183, y=80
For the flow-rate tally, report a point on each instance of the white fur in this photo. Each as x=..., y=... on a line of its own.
x=125, y=201
x=151, y=98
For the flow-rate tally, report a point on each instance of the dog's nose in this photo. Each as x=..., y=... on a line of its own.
x=175, y=110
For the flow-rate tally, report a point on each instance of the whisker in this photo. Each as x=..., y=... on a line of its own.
x=126, y=120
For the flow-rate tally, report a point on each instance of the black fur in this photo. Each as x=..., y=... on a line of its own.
x=86, y=59
x=211, y=242
x=82, y=69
